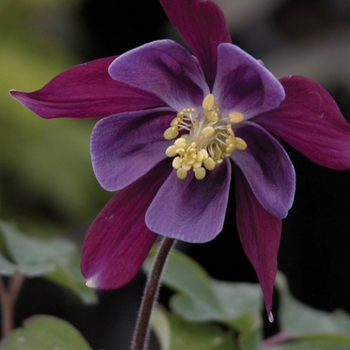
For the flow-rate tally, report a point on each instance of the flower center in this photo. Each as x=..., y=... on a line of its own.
x=203, y=139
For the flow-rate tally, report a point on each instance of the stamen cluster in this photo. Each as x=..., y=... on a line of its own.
x=205, y=138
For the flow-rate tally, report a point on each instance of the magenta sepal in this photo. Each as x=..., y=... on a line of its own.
x=311, y=122
x=118, y=241
x=260, y=234
x=86, y=91
x=203, y=26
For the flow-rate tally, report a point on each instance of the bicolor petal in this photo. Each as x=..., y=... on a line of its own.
x=126, y=146
x=118, y=241
x=260, y=234
x=310, y=121
x=267, y=168
x=165, y=69
x=203, y=26
x=243, y=84
x=86, y=91
x=191, y=210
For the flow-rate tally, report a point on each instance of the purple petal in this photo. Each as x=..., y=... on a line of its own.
x=310, y=121
x=191, y=210
x=268, y=170
x=243, y=84
x=118, y=241
x=165, y=69
x=260, y=234
x=203, y=26
x=126, y=146
x=86, y=91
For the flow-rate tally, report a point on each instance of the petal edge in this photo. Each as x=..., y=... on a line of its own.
x=118, y=241
x=203, y=26
x=260, y=234
x=311, y=122
x=85, y=91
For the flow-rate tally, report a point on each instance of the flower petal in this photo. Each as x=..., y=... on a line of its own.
x=165, y=69
x=243, y=84
x=191, y=210
x=126, y=146
x=260, y=234
x=85, y=91
x=310, y=121
x=118, y=241
x=203, y=26
x=267, y=168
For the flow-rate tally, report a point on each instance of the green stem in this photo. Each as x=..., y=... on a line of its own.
x=140, y=339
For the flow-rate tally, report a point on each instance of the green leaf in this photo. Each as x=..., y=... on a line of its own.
x=70, y=277
x=7, y=268
x=202, y=298
x=317, y=342
x=183, y=274
x=249, y=325
x=54, y=259
x=45, y=333
x=175, y=333
x=250, y=339
x=26, y=250
x=300, y=320
x=161, y=327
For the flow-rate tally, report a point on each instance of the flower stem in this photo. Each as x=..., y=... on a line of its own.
x=7, y=298
x=150, y=296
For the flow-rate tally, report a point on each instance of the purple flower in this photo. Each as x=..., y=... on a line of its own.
x=177, y=129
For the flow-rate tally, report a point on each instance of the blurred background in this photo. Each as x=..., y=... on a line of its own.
x=47, y=184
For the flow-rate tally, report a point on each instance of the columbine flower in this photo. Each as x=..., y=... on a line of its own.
x=177, y=129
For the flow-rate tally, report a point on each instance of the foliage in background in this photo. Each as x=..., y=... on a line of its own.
x=227, y=315
x=206, y=314
x=45, y=166
x=55, y=259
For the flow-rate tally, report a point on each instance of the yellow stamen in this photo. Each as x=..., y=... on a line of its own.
x=241, y=144
x=181, y=173
x=209, y=163
x=208, y=131
x=206, y=138
x=236, y=117
x=208, y=102
x=200, y=173
x=171, y=133
x=177, y=163
x=180, y=143
x=212, y=116
x=171, y=151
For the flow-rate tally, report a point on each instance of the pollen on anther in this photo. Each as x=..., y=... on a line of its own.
x=176, y=163
x=208, y=102
x=171, y=133
x=209, y=163
x=171, y=151
x=240, y=144
x=208, y=131
x=236, y=117
x=200, y=173
x=181, y=173
x=180, y=143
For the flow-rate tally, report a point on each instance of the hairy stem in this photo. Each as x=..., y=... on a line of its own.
x=150, y=296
